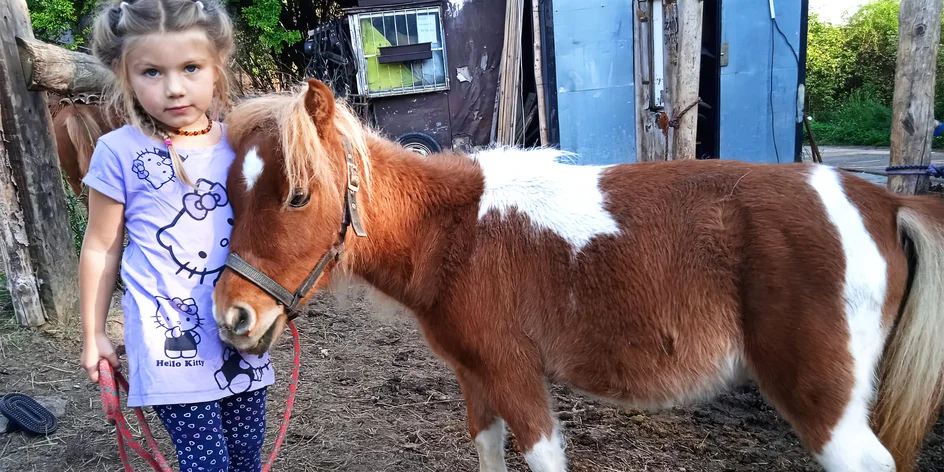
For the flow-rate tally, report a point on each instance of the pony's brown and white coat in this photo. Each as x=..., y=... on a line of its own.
x=651, y=284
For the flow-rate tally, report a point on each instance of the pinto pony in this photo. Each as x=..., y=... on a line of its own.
x=650, y=284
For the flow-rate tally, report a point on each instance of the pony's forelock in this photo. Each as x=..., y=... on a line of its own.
x=302, y=147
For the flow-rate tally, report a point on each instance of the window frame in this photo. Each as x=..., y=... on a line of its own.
x=354, y=21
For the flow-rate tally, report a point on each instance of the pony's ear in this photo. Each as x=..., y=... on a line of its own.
x=319, y=101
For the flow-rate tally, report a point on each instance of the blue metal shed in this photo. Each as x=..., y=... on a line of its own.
x=753, y=107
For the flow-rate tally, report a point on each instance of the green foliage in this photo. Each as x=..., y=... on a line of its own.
x=851, y=76
x=61, y=21
x=828, y=63
x=862, y=120
x=263, y=15
x=872, y=33
x=6, y=301
x=78, y=217
x=52, y=18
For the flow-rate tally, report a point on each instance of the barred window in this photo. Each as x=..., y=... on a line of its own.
x=400, y=51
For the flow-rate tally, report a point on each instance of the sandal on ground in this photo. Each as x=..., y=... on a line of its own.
x=27, y=414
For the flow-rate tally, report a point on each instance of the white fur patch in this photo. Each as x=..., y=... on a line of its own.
x=853, y=446
x=490, y=444
x=547, y=455
x=559, y=197
x=252, y=167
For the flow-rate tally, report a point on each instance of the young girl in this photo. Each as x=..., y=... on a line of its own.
x=162, y=178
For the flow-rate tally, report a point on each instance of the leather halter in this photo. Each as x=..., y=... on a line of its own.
x=351, y=218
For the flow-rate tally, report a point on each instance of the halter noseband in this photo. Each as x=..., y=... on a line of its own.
x=351, y=218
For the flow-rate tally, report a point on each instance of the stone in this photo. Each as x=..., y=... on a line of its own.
x=55, y=404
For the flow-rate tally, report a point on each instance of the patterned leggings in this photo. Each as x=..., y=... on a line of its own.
x=223, y=435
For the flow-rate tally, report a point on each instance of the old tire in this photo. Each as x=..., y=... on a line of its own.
x=420, y=143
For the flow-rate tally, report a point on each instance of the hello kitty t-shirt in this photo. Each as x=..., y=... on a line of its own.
x=178, y=243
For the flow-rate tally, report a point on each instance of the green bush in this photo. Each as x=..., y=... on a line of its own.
x=862, y=120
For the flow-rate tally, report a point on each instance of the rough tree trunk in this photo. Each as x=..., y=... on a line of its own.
x=919, y=31
x=32, y=189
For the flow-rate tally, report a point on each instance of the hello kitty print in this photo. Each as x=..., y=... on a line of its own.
x=178, y=240
x=154, y=166
x=202, y=211
x=180, y=319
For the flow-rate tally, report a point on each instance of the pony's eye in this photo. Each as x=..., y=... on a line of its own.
x=300, y=198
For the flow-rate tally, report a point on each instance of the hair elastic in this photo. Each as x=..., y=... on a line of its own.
x=199, y=4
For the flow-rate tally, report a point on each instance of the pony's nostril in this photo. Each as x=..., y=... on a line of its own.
x=243, y=321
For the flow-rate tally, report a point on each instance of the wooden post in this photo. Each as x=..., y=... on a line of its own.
x=684, y=68
x=650, y=144
x=55, y=69
x=919, y=31
x=667, y=44
x=39, y=249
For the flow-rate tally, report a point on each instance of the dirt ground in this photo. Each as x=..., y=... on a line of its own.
x=371, y=397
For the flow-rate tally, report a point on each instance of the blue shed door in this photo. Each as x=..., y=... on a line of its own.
x=593, y=48
x=748, y=86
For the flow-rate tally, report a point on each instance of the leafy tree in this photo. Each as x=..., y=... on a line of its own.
x=64, y=22
x=872, y=35
x=828, y=64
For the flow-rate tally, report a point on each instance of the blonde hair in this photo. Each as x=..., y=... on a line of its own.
x=120, y=24
x=301, y=146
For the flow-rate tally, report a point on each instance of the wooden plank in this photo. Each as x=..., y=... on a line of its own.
x=641, y=72
x=539, y=70
x=649, y=66
x=29, y=158
x=509, y=102
x=919, y=31
x=47, y=67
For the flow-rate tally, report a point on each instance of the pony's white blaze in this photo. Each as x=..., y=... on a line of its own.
x=252, y=167
x=490, y=444
x=562, y=198
x=853, y=446
x=547, y=455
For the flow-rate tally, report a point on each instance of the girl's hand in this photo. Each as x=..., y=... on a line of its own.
x=96, y=349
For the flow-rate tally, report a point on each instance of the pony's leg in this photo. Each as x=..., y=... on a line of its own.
x=485, y=427
x=826, y=392
x=520, y=397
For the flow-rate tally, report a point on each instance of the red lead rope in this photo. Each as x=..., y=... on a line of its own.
x=110, y=381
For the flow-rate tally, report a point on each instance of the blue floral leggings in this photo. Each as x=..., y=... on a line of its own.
x=223, y=435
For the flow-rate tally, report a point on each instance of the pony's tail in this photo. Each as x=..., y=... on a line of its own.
x=83, y=132
x=912, y=370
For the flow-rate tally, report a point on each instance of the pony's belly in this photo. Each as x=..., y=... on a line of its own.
x=649, y=377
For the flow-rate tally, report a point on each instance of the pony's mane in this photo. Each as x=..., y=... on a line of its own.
x=302, y=148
